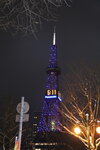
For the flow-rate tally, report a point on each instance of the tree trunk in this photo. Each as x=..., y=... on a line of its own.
x=3, y=146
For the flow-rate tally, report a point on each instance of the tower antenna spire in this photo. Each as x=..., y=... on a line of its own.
x=54, y=36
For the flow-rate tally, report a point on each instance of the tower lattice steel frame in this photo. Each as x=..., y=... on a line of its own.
x=50, y=117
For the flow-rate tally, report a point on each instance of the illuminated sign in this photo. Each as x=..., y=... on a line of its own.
x=53, y=96
x=51, y=92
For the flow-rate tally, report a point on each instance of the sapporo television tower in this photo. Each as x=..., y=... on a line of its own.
x=50, y=117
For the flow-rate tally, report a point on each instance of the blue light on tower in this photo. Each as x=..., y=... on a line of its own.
x=53, y=96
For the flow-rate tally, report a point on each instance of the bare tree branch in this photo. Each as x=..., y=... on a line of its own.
x=82, y=105
x=27, y=15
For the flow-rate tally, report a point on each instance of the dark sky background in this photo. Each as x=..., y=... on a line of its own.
x=23, y=59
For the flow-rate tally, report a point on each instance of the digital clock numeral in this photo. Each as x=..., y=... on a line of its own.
x=51, y=92
x=54, y=92
x=48, y=92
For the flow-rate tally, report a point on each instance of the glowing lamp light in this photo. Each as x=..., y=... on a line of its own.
x=98, y=130
x=77, y=130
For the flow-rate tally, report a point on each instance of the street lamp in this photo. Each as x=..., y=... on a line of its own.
x=98, y=130
x=88, y=131
x=77, y=130
x=98, y=127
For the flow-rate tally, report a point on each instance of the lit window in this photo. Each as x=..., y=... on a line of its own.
x=34, y=124
x=35, y=117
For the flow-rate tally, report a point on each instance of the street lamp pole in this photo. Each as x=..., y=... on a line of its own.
x=21, y=122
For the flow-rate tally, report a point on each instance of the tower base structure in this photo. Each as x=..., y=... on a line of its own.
x=56, y=141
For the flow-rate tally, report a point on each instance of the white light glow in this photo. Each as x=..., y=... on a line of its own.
x=77, y=130
x=98, y=130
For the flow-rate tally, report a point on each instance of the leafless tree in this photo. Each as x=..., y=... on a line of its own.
x=27, y=15
x=9, y=128
x=81, y=113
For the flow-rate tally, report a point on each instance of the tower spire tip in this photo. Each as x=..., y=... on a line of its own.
x=54, y=36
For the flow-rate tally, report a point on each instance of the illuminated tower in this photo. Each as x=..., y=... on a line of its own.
x=49, y=135
x=50, y=117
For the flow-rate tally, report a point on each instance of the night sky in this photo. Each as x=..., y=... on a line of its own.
x=23, y=59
